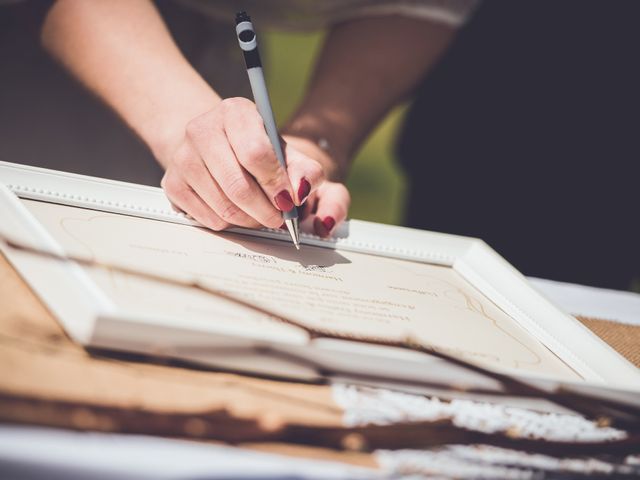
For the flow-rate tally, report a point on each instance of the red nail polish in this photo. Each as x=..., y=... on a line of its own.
x=304, y=189
x=328, y=223
x=319, y=227
x=283, y=201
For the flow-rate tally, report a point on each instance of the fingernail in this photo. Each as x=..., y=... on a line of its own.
x=323, y=227
x=283, y=201
x=328, y=223
x=319, y=227
x=304, y=189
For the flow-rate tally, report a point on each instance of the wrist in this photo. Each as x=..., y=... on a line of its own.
x=164, y=129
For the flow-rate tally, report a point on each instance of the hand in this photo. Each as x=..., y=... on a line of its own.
x=328, y=205
x=225, y=171
x=325, y=209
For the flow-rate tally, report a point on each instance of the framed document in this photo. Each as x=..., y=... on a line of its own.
x=366, y=288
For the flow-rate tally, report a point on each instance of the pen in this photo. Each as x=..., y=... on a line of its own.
x=249, y=46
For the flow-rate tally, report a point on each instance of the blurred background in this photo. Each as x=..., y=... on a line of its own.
x=376, y=183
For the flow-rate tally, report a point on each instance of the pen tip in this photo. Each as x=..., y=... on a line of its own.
x=292, y=226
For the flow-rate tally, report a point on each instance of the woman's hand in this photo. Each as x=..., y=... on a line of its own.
x=328, y=205
x=225, y=172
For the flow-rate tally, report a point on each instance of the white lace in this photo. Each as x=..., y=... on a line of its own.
x=369, y=405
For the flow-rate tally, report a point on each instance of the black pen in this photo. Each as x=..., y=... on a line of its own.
x=249, y=46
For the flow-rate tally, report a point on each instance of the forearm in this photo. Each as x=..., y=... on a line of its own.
x=122, y=51
x=366, y=67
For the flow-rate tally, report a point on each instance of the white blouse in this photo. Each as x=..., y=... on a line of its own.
x=314, y=14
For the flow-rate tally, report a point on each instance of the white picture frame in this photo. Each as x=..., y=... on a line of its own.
x=89, y=317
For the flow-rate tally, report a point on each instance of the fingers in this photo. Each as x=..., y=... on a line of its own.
x=305, y=174
x=234, y=181
x=245, y=131
x=186, y=200
x=198, y=178
x=332, y=207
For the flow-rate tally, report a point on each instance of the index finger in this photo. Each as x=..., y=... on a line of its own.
x=245, y=131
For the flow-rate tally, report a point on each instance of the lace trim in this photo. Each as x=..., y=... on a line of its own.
x=363, y=405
